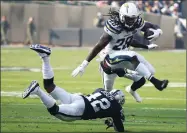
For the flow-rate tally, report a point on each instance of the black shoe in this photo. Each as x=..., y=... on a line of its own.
x=162, y=85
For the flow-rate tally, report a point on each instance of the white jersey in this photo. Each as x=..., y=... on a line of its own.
x=121, y=37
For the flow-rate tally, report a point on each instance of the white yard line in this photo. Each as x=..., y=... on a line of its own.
x=171, y=84
x=144, y=108
x=147, y=108
x=19, y=94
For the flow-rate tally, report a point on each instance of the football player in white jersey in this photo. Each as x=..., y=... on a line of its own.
x=118, y=36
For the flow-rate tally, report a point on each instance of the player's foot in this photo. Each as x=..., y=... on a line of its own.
x=134, y=94
x=43, y=51
x=162, y=85
x=32, y=89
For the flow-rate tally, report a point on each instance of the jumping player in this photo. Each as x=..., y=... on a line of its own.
x=118, y=36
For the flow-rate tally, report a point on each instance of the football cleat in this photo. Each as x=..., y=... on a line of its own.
x=43, y=51
x=134, y=94
x=162, y=85
x=33, y=87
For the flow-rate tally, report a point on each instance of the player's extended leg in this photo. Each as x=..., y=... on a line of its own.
x=146, y=63
x=139, y=81
x=48, y=75
x=65, y=112
x=108, y=80
x=144, y=71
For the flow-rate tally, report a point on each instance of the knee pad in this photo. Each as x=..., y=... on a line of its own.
x=48, y=83
x=53, y=110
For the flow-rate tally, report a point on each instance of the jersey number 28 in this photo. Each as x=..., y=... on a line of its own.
x=123, y=43
x=98, y=102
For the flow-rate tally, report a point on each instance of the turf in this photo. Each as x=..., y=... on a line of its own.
x=160, y=111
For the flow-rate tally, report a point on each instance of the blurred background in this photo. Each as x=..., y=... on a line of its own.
x=80, y=23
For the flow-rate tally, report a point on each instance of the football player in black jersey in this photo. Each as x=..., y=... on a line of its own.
x=118, y=36
x=100, y=104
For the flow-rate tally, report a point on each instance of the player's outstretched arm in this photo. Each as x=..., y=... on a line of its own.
x=103, y=41
x=118, y=124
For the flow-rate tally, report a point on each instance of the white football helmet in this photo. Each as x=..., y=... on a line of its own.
x=118, y=95
x=129, y=14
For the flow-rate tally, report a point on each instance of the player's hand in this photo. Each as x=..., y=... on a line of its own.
x=109, y=122
x=152, y=46
x=156, y=34
x=80, y=69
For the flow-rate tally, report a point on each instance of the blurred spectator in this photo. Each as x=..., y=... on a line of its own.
x=147, y=7
x=31, y=31
x=165, y=10
x=101, y=3
x=99, y=21
x=156, y=7
x=4, y=28
x=115, y=5
x=140, y=5
x=179, y=31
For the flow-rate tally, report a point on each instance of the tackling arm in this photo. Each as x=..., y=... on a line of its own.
x=118, y=124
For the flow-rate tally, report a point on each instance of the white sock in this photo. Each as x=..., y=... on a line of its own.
x=60, y=94
x=144, y=71
x=46, y=99
x=47, y=70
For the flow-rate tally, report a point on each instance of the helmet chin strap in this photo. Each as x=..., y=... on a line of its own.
x=128, y=26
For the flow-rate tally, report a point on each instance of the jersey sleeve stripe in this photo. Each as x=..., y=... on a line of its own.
x=109, y=27
x=142, y=23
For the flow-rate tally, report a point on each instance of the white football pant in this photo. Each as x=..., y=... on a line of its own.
x=72, y=105
x=108, y=80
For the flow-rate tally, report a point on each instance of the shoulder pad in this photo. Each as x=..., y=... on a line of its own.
x=140, y=22
x=111, y=27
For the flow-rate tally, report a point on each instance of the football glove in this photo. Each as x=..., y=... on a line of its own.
x=80, y=69
x=152, y=46
x=156, y=34
x=109, y=122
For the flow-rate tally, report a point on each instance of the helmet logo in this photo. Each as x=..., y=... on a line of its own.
x=127, y=6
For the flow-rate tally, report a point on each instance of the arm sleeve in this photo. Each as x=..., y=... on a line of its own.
x=148, y=25
x=140, y=23
x=137, y=44
x=118, y=124
x=111, y=28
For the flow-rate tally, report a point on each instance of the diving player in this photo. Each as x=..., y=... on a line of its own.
x=118, y=36
x=100, y=104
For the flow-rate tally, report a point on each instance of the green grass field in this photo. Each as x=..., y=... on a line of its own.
x=159, y=112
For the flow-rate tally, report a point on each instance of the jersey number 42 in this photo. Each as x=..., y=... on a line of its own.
x=98, y=102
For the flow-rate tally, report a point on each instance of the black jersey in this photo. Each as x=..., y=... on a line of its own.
x=101, y=104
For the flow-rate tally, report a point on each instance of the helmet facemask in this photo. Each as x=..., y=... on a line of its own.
x=128, y=14
x=128, y=21
x=119, y=96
